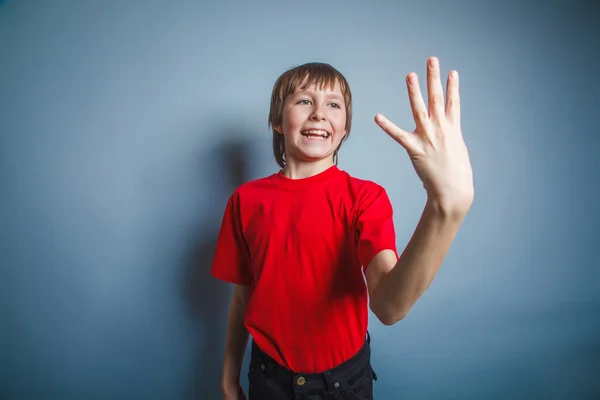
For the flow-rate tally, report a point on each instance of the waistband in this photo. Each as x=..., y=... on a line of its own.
x=326, y=380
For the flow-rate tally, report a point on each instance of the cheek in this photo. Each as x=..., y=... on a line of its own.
x=339, y=122
x=292, y=121
x=289, y=126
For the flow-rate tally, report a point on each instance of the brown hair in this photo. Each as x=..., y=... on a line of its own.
x=319, y=74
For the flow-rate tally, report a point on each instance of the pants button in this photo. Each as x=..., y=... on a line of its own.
x=301, y=381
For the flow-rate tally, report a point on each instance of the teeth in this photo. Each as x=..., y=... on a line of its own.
x=316, y=132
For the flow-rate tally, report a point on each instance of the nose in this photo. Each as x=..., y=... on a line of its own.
x=318, y=114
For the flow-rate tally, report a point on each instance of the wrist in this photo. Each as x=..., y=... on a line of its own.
x=449, y=207
x=229, y=384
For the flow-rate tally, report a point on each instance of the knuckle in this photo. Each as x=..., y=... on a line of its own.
x=437, y=124
x=421, y=115
x=413, y=91
x=437, y=98
x=453, y=102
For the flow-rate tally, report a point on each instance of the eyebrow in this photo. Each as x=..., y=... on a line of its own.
x=329, y=95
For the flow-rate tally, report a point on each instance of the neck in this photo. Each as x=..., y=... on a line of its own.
x=304, y=169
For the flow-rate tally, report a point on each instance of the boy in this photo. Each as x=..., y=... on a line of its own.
x=296, y=243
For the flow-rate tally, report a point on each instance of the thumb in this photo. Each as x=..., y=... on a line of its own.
x=393, y=131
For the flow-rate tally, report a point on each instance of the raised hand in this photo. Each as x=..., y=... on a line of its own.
x=436, y=146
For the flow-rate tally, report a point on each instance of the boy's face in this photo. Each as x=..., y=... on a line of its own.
x=313, y=123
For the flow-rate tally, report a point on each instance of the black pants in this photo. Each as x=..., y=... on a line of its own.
x=351, y=380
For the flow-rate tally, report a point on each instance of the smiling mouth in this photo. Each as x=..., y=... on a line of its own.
x=315, y=134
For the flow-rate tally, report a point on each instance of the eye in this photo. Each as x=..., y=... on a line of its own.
x=303, y=101
x=335, y=105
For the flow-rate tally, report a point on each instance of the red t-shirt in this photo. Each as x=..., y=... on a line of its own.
x=301, y=245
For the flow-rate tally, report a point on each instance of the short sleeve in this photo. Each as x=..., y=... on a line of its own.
x=374, y=224
x=231, y=260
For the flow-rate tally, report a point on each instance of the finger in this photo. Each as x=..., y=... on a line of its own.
x=453, y=98
x=399, y=135
x=419, y=109
x=435, y=90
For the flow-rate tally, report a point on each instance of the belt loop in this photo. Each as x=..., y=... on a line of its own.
x=368, y=337
x=328, y=384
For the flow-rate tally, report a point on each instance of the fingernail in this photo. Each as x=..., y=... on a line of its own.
x=433, y=62
x=412, y=80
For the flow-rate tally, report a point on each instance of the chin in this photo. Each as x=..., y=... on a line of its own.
x=313, y=151
x=313, y=156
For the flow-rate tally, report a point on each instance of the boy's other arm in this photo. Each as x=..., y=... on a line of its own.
x=395, y=285
x=236, y=341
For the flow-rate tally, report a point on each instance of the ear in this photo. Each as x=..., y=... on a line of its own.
x=278, y=129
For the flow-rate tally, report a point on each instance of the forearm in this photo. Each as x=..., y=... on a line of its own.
x=236, y=342
x=418, y=264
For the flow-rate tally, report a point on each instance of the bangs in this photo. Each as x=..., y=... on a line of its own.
x=323, y=76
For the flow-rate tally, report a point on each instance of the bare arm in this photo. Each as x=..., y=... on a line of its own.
x=441, y=160
x=237, y=339
x=396, y=285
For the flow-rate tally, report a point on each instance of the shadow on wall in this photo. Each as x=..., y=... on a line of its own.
x=208, y=298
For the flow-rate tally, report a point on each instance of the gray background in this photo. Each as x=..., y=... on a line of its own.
x=126, y=125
